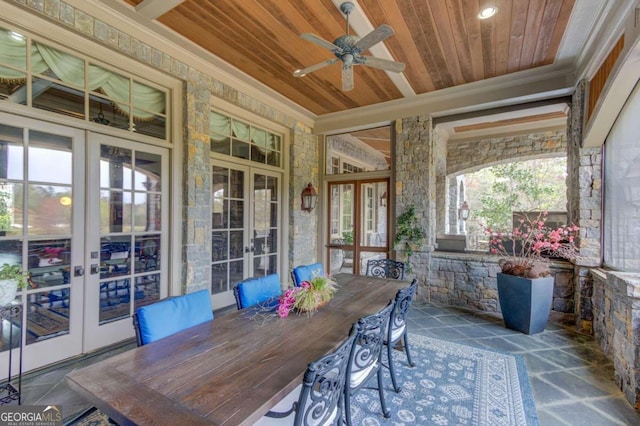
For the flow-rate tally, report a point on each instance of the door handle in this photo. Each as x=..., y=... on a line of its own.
x=95, y=268
x=248, y=249
x=78, y=271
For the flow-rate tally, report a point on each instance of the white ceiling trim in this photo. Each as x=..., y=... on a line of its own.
x=535, y=84
x=156, y=35
x=152, y=9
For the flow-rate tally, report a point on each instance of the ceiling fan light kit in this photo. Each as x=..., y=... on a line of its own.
x=348, y=49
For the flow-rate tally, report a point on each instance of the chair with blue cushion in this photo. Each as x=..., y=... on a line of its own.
x=169, y=316
x=256, y=290
x=318, y=400
x=306, y=272
x=365, y=359
x=397, y=330
x=386, y=268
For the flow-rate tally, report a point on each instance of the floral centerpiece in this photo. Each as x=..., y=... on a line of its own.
x=526, y=250
x=308, y=297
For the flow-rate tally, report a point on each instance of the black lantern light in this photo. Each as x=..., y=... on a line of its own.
x=463, y=211
x=309, y=198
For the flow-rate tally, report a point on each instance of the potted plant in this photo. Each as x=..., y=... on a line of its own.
x=308, y=297
x=409, y=234
x=525, y=285
x=11, y=278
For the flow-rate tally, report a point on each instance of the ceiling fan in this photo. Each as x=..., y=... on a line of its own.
x=348, y=49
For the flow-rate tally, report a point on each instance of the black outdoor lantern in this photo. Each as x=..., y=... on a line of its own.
x=309, y=198
x=463, y=211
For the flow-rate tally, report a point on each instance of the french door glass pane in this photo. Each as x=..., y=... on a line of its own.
x=131, y=225
x=227, y=237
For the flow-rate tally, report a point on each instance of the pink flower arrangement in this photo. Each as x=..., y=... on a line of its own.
x=308, y=297
x=529, y=245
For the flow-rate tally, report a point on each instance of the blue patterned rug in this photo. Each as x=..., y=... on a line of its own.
x=451, y=384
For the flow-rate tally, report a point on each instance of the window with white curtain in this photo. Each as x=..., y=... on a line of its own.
x=239, y=139
x=621, y=227
x=68, y=84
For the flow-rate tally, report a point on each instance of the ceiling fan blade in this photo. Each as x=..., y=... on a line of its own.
x=382, y=64
x=347, y=77
x=321, y=42
x=382, y=32
x=312, y=68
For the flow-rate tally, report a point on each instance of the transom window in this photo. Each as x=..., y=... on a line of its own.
x=41, y=76
x=240, y=139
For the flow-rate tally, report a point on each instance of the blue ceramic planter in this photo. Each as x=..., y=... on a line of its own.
x=525, y=302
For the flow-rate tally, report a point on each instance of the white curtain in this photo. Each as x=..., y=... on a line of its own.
x=70, y=69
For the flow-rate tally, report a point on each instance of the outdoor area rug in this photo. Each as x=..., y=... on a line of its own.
x=451, y=384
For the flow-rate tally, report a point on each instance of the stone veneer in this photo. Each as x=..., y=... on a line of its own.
x=470, y=280
x=616, y=324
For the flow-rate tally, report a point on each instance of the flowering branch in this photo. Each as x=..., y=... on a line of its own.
x=530, y=241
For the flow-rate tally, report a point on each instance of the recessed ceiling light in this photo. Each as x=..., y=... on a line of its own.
x=487, y=12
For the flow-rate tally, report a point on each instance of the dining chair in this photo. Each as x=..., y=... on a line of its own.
x=365, y=358
x=319, y=399
x=256, y=290
x=169, y=316
x=386, y=268
x=397, y=329
x=306, y=272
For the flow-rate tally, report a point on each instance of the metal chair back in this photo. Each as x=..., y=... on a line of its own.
x=386, y=268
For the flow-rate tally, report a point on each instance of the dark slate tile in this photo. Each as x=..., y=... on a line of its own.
x=619, y=409
x=561, y=358
x=572, y=384
x=537, y=364
x=545, y=393
x=500, y=344
x=547, y=419
x=580, y=414
x=473, y=331
x=446, y=333
x=527, y=342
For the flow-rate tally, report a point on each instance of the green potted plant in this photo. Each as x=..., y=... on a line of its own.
x=11, y=278
x=525, y=284
x=409, y=234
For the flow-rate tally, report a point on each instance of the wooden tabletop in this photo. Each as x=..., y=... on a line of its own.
x=229, y=371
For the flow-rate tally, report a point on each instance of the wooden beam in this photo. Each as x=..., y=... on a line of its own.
x=153, y=9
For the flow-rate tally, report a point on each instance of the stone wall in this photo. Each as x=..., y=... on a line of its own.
x=616, y=326
x=470, y=280
x=469, y=156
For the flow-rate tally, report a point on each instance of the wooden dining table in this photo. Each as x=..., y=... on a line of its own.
x=229, y=371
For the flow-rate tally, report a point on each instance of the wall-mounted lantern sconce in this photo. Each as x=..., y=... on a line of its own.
x=309, y=198
x=463, y=211
x=383, y=199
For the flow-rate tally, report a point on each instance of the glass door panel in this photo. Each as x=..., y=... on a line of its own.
x=358, y=226
x=341, y=215
x=128, y=258
x=245, y=228
x=41, y=222
x=228, y=233
x=265, y=225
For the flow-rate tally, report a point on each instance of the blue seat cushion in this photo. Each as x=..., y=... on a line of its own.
x=306, y=272
x=172, y=315
x=256, y=290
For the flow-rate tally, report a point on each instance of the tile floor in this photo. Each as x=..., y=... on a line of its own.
x=572, y=380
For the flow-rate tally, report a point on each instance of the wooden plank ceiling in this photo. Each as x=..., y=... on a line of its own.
x=442, y=42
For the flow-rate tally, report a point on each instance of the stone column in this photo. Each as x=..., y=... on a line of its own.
x=584, y=186
x=415, y=182
x=303, y=226
x=196, y=231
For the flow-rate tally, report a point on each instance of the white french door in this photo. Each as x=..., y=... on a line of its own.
x=127, y=235
x=245, y=227
x=41, y=228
